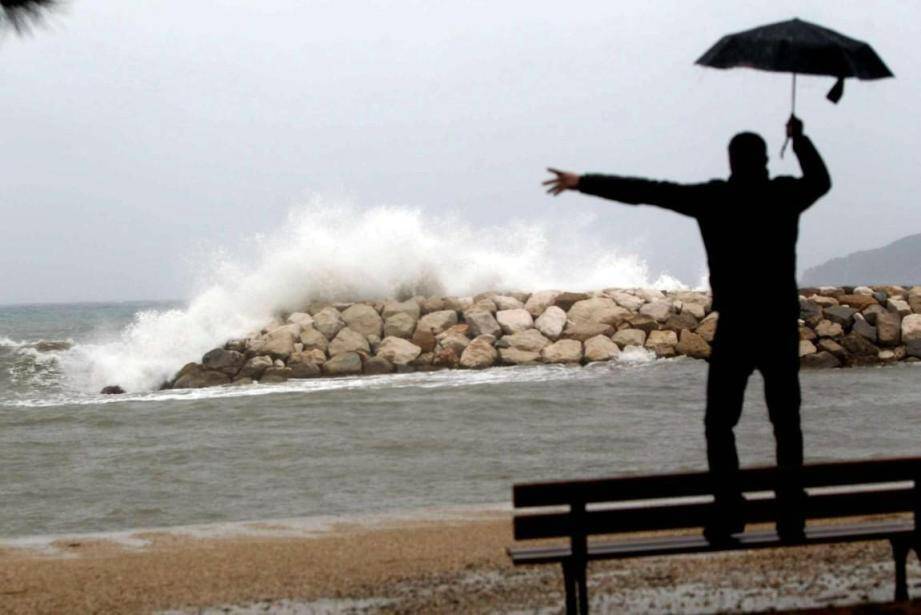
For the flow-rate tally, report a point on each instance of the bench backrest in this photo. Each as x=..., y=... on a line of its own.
x=674, y=501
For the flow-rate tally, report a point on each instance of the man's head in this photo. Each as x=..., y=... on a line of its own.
x=748, y=155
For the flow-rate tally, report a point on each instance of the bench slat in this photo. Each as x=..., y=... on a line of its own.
x=668, y=545
x=698, y=483
x=677, y=516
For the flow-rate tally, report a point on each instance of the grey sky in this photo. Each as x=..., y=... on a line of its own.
x=138, y=135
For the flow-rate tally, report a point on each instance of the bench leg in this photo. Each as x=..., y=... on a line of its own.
x=569, y=584
x=581, y=574
x=900, y=554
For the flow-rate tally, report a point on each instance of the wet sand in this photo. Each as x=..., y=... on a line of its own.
x=451, y=564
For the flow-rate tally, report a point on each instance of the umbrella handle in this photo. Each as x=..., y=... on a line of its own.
x=792, y=112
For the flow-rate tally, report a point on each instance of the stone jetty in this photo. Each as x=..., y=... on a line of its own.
x=839, y=327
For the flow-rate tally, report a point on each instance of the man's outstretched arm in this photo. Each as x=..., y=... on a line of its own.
x=686, y=199
x=815, y=181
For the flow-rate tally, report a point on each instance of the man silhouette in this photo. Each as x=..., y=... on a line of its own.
x=749, y=225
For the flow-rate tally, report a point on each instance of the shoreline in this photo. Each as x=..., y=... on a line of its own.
x=445, y=561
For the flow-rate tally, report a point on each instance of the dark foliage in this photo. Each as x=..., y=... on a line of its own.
x=21, y=15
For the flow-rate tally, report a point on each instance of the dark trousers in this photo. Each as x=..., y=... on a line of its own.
x=737, y=352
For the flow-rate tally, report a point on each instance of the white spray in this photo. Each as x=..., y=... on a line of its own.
x=327, y=252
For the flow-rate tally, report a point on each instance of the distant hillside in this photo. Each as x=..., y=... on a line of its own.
x=897, y=263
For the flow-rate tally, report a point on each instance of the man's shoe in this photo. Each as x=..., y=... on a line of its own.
x=721, y=531
x=728, y=519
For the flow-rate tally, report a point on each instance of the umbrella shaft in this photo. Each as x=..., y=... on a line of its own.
x=793, y=96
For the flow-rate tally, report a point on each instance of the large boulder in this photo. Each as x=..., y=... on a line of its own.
x=566, y=300
x=833, y=347
x=600, y=348
x=649, y=294
x=658, y=310
x=898, y=306
x=805, y=333
x=454, y=339
x=806, y=348
x=328, y=321
x=432, y=304
x=400, y=324
x=312, y=339
x=255, y=366
x=598, y=309
x=410, y=308
x=629, y=337
x=858, y=302
x=530, y=340
x=375, y=366
x=513, y=321
x=348, y=340
x=516, y=356
x=346, y=364
x=911, y=333
x=827, y=328
x=398, y=351
x=274, y=375
x=538, y=302
x=911, y=328
x=458, y=304
x=563, y=351
x=279, y=342
x=683, y=320
x=482, y=322
x=862, y=327
x=696, y=310
x=625, y=300
x=424, y=339
x=363, y=319
x=810, y=312
x=860, y=351
x=662, y=343
x=479, y=353
x=581, y=331
x=506, y=302
x=301, y=318
x=551, y=322
x=193, y=376
x=643, y=322
x=889, y=329
x=226, y=361
x=914, y=299
x=823, y=301
x=840, y=314
x=707, y=327
x=305, y=368
x=819, y=360
x=436, y=322
x=692, y=345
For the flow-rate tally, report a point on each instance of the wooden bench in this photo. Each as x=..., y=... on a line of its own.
x=670, y=502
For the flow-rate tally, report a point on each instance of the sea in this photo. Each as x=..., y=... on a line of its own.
x=75, y=461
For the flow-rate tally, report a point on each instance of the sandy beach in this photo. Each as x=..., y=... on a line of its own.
x=445, y=563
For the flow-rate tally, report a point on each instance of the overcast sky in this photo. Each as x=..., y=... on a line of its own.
x=135, y=135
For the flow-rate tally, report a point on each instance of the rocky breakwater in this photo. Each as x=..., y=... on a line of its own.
x=838, y=327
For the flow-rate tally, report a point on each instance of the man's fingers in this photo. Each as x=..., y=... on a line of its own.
x=550, y=181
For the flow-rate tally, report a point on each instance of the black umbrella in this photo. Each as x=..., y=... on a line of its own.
x=798, y=47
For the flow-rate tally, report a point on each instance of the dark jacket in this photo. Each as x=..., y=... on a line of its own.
x=749, y=226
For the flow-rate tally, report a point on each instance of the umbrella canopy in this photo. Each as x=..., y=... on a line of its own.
x=797, y=46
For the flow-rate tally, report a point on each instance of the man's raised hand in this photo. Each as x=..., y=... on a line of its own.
x=794, y=127
x=562, y=182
